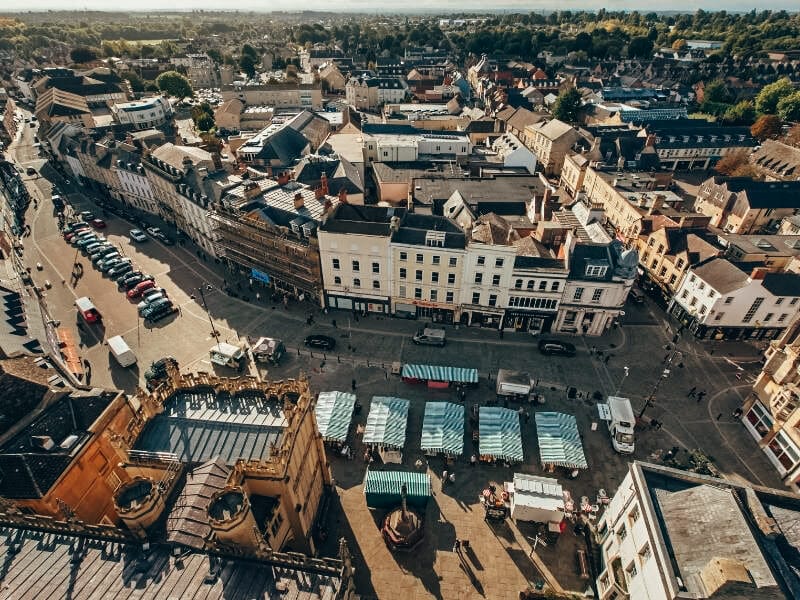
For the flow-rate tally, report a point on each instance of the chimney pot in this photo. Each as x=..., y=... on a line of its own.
x=298, y=201
x=343, y=196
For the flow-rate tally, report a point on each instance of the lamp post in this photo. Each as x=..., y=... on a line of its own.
x=208, y=288
x=664, y=375
x=622, y=381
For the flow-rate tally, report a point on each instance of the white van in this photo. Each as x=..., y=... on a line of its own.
x=228, y=355
x=121, y=351
x=618, y=415
x=430, y=337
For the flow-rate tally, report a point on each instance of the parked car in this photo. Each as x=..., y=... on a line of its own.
x=69, y=228
x=152, y=295
x=107, y=265
x=83, y=239
x=89, y=248
x=87, y=216
x=30, y=171
x=101, y=251
x=70, y=235
x=154, y=231
x=140, y=289
x=119, y=269
x=88, y=240
x=100, y=259
x=323, y=342
x=98, y=223
x=157, y=371
x=556, y=347
x=137, y=235
x=126, y=277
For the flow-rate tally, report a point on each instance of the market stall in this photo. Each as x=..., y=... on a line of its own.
x=559, y=441
x=437, y=376
x=537, y=499
x=386, y=427
x=443, y=429
x=382, y=489
x=499, y=434
x=334, y=411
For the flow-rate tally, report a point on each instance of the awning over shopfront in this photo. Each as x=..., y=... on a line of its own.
x=559, y=440
x=334, y=411
x=440, y=373
x=500, y=436
x=443, y=428
x=382, y=488
x=386, y=422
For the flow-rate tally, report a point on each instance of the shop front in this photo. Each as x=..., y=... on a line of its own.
x=781, y=450
x=534, y=322
x=360, y=305
x=481, y=316
x=434, y=312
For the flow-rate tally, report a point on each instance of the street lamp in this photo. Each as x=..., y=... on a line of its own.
x=625, y=376
x=208, y=288
x=664, y=375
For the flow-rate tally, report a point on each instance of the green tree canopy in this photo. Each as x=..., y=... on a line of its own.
x=640, y=47
x=567, y=105
x=769, y=96
x=82, y=54
x=247, y=65
x=741, y=113
x=205, y=122
x=174, y=84
x=789, y=107
x=715, y=91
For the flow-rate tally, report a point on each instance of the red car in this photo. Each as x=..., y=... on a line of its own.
x=98, y=223
x=141, y=289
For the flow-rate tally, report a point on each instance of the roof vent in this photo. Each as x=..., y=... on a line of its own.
x=69, y=442
x=44, y=442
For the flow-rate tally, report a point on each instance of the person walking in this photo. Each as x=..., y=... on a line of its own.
x=444, y=477
x=737, y=414
x=701, y=395
x=333, y=322
x=692, y=392
x=452, y=477
x=473, y=460
x=353, y=385
x=457, y=546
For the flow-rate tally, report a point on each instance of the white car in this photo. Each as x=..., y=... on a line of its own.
x=151, y=296
x=137, y=235
x=154, y=231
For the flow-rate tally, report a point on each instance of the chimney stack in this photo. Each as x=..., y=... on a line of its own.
x=318, y=193
x=324, y=184
x=343, y=196
x=298, y=201
x=650, y=141
x=283, y=178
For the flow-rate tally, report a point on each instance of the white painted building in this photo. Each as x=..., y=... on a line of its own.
x=143, y=114
x=134, y=186
x=513, y=153
x=670, y=534
x=355, y=257
x=408, y=147
x=718, y=300
x=534, y=298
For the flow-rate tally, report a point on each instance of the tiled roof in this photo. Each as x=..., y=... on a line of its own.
x=721, y=274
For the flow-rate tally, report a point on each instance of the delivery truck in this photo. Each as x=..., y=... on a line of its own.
x=515, y=385
x=618, y=414
x=430, y=337
x=121, y=351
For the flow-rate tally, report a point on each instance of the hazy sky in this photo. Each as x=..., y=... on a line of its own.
x=385, y=6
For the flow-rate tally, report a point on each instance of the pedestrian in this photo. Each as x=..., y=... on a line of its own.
x=521, y=412
x=701, y=395
x=719, y=416
x=333, y=322
x=593, y=350
x=353, y=384
x=737, y=414
x=452, y=477
x=457, y=546
x=473, y=460
x=692, y=392
x=444, y=477
x=527, y=415
x=367, y=456
x=608, y=358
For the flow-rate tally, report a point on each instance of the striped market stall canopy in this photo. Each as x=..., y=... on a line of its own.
x=500, y=435
x=443, y=428
x=334, y=411
x=386, y=422
x=440, y=373
x=382, y=488
x=559, y=440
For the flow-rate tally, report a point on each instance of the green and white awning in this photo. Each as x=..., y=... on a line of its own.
x=443, y=428
x=334, y=411
x=559, y=440
x=386, y=422
x=440, y=373
x=500, y=435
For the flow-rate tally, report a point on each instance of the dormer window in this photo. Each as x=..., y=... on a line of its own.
x=596, y=270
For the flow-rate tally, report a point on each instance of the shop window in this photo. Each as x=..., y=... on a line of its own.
x=760, y=419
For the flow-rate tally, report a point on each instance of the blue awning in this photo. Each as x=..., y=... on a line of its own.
x=386, y=422
x=559, y=440
x=334, y=411
x=500, y=435
x=443, y=428
x=441, y=373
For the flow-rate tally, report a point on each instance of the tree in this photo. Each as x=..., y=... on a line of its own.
x=205, y=122
x=735, y=164
x=248, y=50
x=567, y=105
x=741, y=113
x=248, y=65
x=716, y=91
x=137, y=83
x=215, y=55
x=640, y=47
x=679, y=44
x=769, y=96
x=174, y=84
x=789, y=107
x=82, y=54
x=766, y=127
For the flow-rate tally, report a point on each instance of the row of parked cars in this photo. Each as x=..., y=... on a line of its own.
x=154, y=304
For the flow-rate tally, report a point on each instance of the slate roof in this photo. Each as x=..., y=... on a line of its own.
x=362, y=220
x=414, y=228
x=187, y=523
x=590, y=254
x=721, y=274
x=782, y=284
x=340, y=172
x=49, y=565
x=199, y=426
x=29, y=471
x=283, y=144
x=778, y=158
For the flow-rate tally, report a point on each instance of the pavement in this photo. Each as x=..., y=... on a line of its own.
x=499, y=563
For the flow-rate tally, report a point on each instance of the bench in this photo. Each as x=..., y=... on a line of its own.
x=583, y=565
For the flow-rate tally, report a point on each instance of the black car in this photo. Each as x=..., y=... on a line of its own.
x=556, y=347
x=323, y=342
